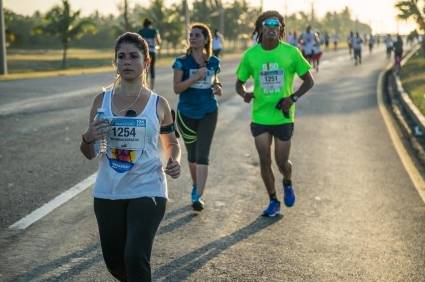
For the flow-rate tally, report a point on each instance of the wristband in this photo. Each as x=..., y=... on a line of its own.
x=167, y=129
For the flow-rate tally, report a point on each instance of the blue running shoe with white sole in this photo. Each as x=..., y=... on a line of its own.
x=193, y=195
x=288, y=195
x=273, y=209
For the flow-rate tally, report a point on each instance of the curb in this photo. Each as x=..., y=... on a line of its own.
x=408, y=105
x=398, y=129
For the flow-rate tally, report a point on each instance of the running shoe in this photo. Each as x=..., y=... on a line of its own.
x=198, y=204
x=288, y=195
x=273, y=209
x=193, y=195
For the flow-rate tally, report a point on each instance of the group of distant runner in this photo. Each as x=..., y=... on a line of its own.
x=310, y=43
x=130, y=193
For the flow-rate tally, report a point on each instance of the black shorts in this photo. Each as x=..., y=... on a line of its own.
x=282, y=131
x=308, y=56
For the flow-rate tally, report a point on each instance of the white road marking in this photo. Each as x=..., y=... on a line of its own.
x=54, y=203
x=405, y=158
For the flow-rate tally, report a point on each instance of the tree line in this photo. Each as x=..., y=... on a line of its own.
x=47, y=30
x=413, y=10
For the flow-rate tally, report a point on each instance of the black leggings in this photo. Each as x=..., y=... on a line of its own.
x=197, y=136
x=152, y=64
x=127, y=229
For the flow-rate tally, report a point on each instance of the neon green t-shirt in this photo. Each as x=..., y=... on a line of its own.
x=273, y=73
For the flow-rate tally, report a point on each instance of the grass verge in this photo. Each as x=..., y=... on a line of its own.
x=27, y=64
x=413, y=78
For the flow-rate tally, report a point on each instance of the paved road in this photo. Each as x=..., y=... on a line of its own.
x=358, y=216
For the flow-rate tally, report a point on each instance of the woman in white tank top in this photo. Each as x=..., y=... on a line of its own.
x=131, y=190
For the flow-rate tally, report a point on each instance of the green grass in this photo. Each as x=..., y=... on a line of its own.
x=29, y=61
x=46, y=63
x=413, y=78
x=55, y=55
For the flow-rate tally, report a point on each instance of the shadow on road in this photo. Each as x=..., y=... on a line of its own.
x=177, y=211
x=182, y=267
x=70, y=265
x=73, y=264
x=177, y=224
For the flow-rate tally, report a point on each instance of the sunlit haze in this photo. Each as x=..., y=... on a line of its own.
x=380, y=14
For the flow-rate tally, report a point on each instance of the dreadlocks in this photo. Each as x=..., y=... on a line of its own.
x=266, y=15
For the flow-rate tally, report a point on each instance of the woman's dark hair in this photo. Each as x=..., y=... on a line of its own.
x=207, y=34
x=147, y=22
x=139, y=42
x=267, y=15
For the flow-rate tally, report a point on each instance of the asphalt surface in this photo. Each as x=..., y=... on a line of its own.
x=358, y=217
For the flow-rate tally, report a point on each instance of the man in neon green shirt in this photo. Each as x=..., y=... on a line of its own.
x=273, y=64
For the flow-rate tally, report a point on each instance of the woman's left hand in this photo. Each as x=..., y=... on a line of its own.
x=217, y=89
x=172, y=168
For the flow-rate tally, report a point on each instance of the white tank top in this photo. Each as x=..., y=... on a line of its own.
x=137, y=171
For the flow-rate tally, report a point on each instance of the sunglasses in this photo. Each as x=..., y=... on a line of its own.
x=271, y=23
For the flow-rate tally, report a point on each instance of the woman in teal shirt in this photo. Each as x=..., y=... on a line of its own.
x=196, y=83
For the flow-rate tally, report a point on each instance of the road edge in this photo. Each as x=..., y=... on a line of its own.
x=406, y=159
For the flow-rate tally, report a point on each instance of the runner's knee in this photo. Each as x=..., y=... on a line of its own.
x=202, y=160
x=265, y=160
x=282, y=163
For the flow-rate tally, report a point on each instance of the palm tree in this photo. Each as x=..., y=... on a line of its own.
x=410, y=9
x=65, y=24
x=124, y=19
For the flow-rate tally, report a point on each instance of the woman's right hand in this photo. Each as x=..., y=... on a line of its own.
x=202, y=72
x=96, y=130
x=173, y=168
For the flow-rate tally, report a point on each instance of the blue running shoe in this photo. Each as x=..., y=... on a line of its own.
x=288, y=195
x=198, y=204
x=194, y=195
x=273, y=209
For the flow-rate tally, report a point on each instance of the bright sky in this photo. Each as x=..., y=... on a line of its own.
x=380, y=14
